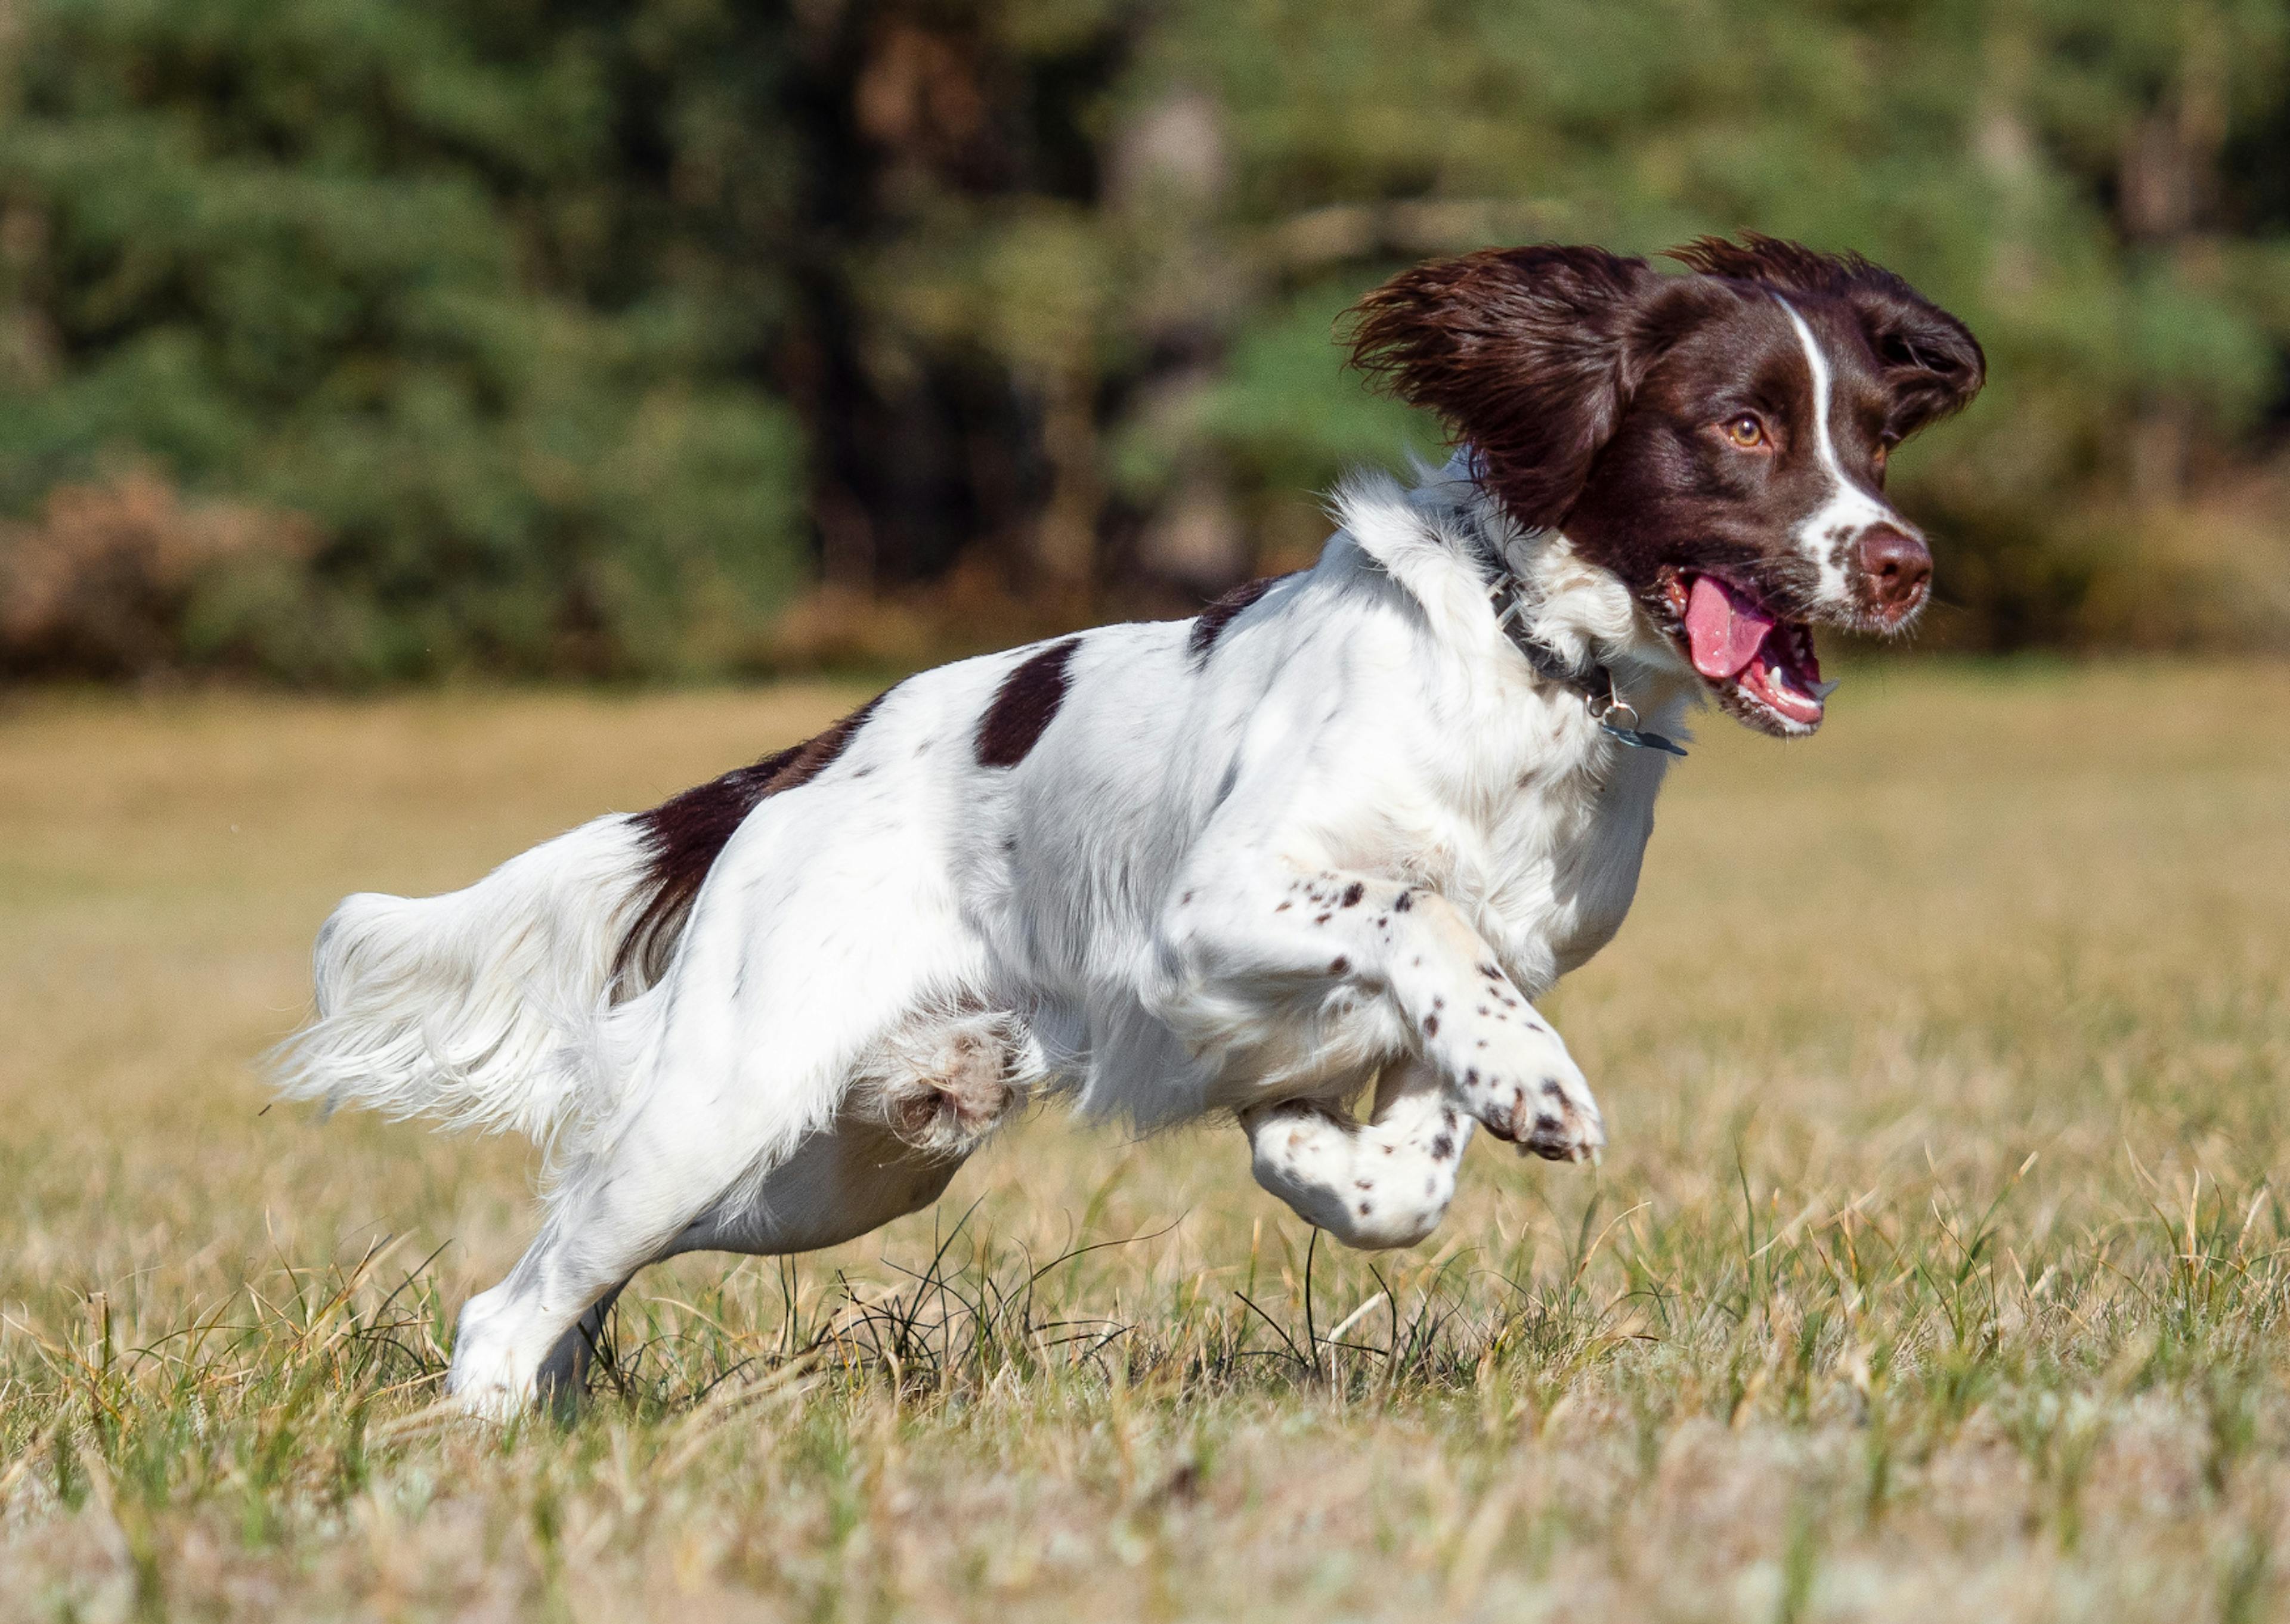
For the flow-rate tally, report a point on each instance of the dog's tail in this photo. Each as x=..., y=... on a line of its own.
x=479, y=1007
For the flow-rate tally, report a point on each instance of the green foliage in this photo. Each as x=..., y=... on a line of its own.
x=575, y=330
x=1282, y=417
x=396, y=268
x=2063, y=175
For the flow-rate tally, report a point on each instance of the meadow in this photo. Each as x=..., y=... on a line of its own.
x=1936, y=1268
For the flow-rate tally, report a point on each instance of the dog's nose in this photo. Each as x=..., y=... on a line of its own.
x=1897, y=565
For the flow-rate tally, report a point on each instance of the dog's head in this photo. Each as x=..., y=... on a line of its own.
x=1717, y=440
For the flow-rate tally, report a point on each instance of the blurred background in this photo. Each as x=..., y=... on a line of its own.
x=555, y=367
x=357, y=342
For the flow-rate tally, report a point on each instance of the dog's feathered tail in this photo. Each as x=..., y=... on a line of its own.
x=479, y=1007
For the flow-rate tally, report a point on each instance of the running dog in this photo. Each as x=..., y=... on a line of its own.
x=1328, y=840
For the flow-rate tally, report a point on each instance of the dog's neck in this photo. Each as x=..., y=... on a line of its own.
x=1434, y=541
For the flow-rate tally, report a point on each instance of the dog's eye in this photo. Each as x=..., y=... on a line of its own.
x=1747, y=431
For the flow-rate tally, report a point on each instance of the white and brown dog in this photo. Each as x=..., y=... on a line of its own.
x=1333, y=834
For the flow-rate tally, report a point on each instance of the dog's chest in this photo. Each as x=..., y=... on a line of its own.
x=1552, y=874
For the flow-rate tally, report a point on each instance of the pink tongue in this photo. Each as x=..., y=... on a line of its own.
x=1723, y=630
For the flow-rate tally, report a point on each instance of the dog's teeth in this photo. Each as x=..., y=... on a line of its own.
x=1822, y=691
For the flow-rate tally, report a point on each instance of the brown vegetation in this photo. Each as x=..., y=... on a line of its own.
x=1936, y=1269
x=101, y=583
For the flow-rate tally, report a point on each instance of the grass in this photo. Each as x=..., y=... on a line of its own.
x=1937, y=1270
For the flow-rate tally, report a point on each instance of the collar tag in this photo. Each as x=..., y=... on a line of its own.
x=1639, y=738
x=1608, y=710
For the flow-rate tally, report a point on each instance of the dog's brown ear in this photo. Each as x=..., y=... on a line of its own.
x=1932, y=364
x=1525, y=352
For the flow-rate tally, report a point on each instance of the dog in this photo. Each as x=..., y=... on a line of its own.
x=1327, y=840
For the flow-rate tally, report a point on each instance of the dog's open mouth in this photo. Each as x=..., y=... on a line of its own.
x=1761, y=667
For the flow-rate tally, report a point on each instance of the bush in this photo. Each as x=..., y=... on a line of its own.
x=107, y=583
x=581, y=336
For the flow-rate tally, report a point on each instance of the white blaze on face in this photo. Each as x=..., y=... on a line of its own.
x=1824, y=534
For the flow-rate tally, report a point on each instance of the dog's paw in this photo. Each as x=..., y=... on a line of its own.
x=487, y=1379
x=1371, y=1186
x=1510, y=1070
x=487, y=1399
x=1302, y=1153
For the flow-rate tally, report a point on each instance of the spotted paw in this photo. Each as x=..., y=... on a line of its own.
x=1520, y=1082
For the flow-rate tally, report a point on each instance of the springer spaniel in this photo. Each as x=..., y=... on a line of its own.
x=1330, y=838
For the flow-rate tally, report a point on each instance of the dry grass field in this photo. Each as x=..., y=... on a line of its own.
x=1937, y=1270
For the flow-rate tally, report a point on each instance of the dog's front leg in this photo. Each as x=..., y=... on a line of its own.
x=1236, y=951
x=1384, y=1182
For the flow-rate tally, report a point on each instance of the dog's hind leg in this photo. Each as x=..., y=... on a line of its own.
x=916, y=1107
x=842, y=1182
x=564, y=1374
x=523, y=1334
x=1386, y=1182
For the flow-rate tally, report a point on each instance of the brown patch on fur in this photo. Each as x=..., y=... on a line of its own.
x=1209, y=625
x=1520, y=348
x=687, y=832
x=1932, y=365
x=1024, y=706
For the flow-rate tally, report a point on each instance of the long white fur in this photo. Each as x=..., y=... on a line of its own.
x=474, y=1007
x=1131, y=907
